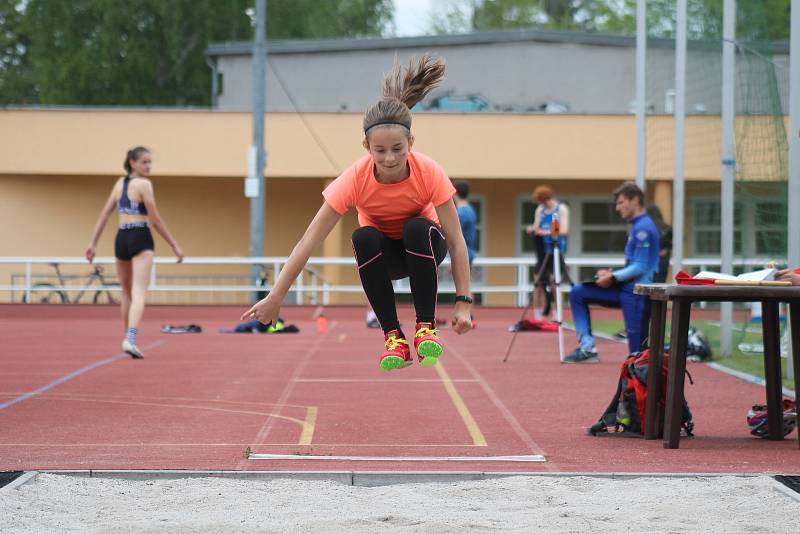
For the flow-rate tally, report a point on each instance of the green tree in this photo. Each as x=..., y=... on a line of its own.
x=100, y=52
x=321, y=19
x=14, y=76
x=147, y=52
x=756, y=19
x=584, y=15
x=451, y=16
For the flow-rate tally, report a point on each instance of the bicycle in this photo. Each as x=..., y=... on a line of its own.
x=46, y=293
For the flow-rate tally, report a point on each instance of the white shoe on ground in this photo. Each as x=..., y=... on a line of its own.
x=132, y=349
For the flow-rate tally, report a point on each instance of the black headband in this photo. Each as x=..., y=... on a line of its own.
x=387, y=122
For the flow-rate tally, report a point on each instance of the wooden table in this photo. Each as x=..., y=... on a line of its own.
x=682, y=297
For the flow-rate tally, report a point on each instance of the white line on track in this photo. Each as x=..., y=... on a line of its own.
x=287, y=391
x=386, y=380
x=72, y=375
x=525, y=458
x=507, y=415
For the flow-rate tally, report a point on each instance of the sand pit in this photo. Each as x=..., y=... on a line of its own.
x=60, y=503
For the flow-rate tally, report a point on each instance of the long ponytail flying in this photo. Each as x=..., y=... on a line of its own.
x=412, y=84
x=403, y=88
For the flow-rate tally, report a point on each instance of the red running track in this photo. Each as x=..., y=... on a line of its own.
x=70, y=400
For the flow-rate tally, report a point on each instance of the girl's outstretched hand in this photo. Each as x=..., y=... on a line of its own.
x=264, y=311
x=462, y=318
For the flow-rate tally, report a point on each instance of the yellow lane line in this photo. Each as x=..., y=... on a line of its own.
x=477, y=436
x=308, y=426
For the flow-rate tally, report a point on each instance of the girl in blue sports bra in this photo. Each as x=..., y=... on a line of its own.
x=133, y=197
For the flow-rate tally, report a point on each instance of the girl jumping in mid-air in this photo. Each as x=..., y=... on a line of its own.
x=407, y=218
x=132, y=195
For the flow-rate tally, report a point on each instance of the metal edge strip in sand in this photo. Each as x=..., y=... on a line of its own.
x=24, y=478
x=345, y=477
x=780, y=487
x=374, y=478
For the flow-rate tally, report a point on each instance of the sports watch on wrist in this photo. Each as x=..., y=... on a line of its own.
x=464, y=298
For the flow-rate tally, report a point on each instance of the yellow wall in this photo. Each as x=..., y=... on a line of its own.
x=320, y=145
x=55, y=215
x=57, y=168
x=209, y=217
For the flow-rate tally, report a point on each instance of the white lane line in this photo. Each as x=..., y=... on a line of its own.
x=747, y=377
x=287, y=391
x=72, y=375
x=519, y=430
x=525, y=458
x=385, y=380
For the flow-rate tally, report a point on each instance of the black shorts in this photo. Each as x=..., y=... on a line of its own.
x=132, y=241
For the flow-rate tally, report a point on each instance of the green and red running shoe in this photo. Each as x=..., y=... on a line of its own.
x=427, y=344
x=397, y=354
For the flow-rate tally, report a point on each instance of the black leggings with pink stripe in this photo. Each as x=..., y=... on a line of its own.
x=382, y=259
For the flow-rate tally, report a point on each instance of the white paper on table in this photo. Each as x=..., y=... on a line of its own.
x=755, y=276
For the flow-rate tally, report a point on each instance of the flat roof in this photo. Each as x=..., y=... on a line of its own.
x=295, y=46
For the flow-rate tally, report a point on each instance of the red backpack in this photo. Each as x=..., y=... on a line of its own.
x=627, y=411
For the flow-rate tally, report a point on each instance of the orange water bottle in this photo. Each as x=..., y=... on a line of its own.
x=322, y=324
x=555, y=230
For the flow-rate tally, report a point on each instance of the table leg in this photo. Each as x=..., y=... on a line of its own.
x=681, y=309
x=794, y=318
x=653, y=427
x=772, y=368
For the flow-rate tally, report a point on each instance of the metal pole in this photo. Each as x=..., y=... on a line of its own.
x=794, y=134
x=641, y=94
x=28, y=281
x=258, y=196
x=680, y=119
x=559, y=312
x=728, y=165
x=793, y=237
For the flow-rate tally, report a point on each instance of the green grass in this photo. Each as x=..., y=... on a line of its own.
x=752, y=363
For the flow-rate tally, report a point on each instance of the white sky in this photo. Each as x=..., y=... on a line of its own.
x=412, y=17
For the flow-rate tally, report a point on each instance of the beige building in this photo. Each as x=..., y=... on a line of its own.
x=57, y=167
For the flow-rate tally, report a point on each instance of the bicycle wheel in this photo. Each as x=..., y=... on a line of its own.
x=44, y=294
x=105, y=296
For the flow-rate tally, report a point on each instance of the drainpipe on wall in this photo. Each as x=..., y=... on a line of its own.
x=212, y=64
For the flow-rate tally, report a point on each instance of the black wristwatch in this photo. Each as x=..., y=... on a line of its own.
x=464, y=298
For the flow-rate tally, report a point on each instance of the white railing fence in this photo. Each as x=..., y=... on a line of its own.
x=30, y=277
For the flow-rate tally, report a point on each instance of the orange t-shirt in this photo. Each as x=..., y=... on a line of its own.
x=388, y=207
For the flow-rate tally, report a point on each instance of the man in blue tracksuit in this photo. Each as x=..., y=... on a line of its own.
x=616, y=287
x=467, y=217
